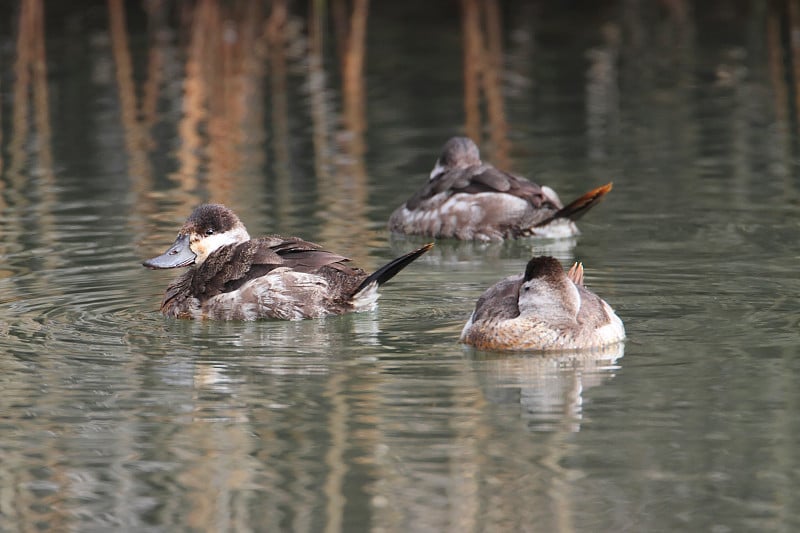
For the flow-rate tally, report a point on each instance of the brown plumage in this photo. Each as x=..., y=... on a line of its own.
x=467, y=199
x=544, y=309
x=233, y=277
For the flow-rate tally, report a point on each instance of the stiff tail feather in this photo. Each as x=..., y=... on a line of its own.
x=577, y=208
x=575, y=273
x=390, y=269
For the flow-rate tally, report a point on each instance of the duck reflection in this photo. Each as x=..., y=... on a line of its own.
x=548, y=387
x=450, y=252
x=296, y=337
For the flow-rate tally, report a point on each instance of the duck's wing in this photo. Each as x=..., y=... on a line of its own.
x=230, y=267
x=482, y=179
x=499, y=301
x=594, y=312
x=310, y=258
x=259, y=256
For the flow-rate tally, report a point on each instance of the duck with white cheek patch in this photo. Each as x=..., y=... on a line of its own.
x=465, y=198
x=544, y=309
x=234, y=277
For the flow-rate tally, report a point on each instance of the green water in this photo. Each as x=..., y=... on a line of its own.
x=114, y=418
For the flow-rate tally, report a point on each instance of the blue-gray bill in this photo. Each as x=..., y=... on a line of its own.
x=178, y=255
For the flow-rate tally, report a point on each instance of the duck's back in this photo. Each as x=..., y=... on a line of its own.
x=271, y=277
x=496, y=323
x=477, y=202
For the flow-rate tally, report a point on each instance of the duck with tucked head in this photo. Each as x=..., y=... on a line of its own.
x=544, y=309
x=468, y=199
x=234, y=277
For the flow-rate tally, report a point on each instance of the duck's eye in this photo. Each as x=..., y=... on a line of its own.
x=210, y=231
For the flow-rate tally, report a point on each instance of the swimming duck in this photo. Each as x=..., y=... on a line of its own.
x=544, y=309
x=234, y=277
x=468, y=199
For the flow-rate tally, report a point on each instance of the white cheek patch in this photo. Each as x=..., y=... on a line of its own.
x=572, y=298
x=438, y=170
x=205, y=246
x=549, y=300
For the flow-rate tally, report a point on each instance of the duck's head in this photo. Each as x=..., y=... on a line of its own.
x=547, y=291
x=458, y=152
x=208, y=228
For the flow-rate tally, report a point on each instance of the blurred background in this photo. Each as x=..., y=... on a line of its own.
x=318, y=119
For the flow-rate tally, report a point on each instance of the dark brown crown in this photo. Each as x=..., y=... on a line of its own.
x=459, y=151
x=210, y=217
x=543, y=267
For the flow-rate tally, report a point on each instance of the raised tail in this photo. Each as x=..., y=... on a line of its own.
x=577, y=208
x=390, y=269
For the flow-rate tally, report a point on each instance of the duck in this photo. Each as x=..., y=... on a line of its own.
x=233, y=277
x=467, y=199
x=544, y=309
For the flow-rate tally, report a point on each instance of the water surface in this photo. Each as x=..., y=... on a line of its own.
x=116, y=122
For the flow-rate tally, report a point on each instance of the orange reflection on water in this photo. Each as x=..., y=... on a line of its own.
x=345, y=189
x=30, y=150
x=483, y=64
x=30, y=93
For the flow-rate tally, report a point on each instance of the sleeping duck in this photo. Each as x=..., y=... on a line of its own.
x=544, y=309
x=468, y=199
x=234, y=277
